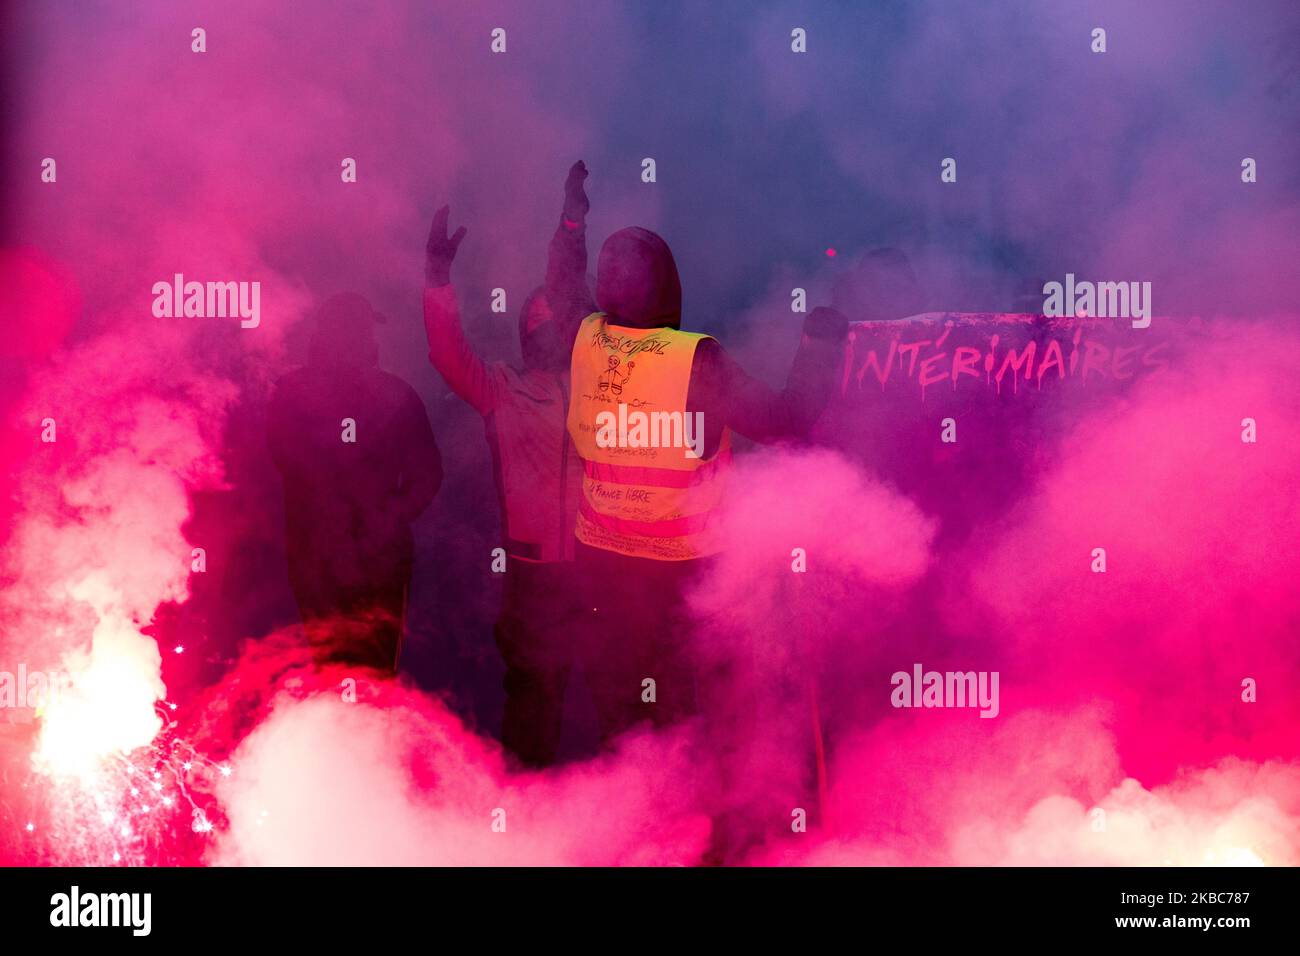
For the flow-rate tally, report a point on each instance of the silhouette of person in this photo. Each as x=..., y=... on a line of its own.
x=645, y=533
x=881, y=287
x=649, y=525
x=537, y=474
x=359, y=463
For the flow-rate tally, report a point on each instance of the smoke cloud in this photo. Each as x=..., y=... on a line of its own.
x=1042, y=788
x=395, y=779
x=1121, y=691
x=1199, y=530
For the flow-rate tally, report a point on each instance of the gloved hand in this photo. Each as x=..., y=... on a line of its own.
x=826, y=323
x=440, y=250
x=576, y=202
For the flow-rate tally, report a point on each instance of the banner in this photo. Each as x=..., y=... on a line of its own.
x=960, y=410
x=972, y=350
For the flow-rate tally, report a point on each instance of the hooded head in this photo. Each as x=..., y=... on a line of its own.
x=541, y=339
x=636, y=280
x=344, y=335
x=881, y=287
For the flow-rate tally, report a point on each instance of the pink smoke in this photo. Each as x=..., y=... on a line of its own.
x=810, y=538
x=1041, y=788
x=1200, y=532
x=1122, y=691
x=382, y=775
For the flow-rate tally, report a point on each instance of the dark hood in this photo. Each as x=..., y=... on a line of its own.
x=636, y=280
x=547, y=346
x=881, y=287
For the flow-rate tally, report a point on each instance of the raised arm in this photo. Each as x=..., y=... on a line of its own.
x=451, y=354
x=566, y=261
x=728, y=395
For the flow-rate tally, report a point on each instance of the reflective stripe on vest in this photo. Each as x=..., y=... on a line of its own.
x=644, y=491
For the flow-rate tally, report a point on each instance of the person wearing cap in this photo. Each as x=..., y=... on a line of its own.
x=537, y=475
x=359, y=464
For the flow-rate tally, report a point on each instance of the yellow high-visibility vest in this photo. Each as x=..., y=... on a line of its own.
x=646, y=492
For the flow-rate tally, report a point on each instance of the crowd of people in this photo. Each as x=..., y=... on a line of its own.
x=601, y=538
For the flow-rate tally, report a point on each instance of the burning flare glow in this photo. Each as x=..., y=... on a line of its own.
x=110, y=706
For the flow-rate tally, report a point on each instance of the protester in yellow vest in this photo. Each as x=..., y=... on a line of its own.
x=648, y=491
x=651, y=411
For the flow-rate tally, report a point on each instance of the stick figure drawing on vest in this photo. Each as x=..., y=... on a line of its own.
x=612, y=380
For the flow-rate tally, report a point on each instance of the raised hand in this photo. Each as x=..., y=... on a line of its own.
x=440, y=249
x=576, y=202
